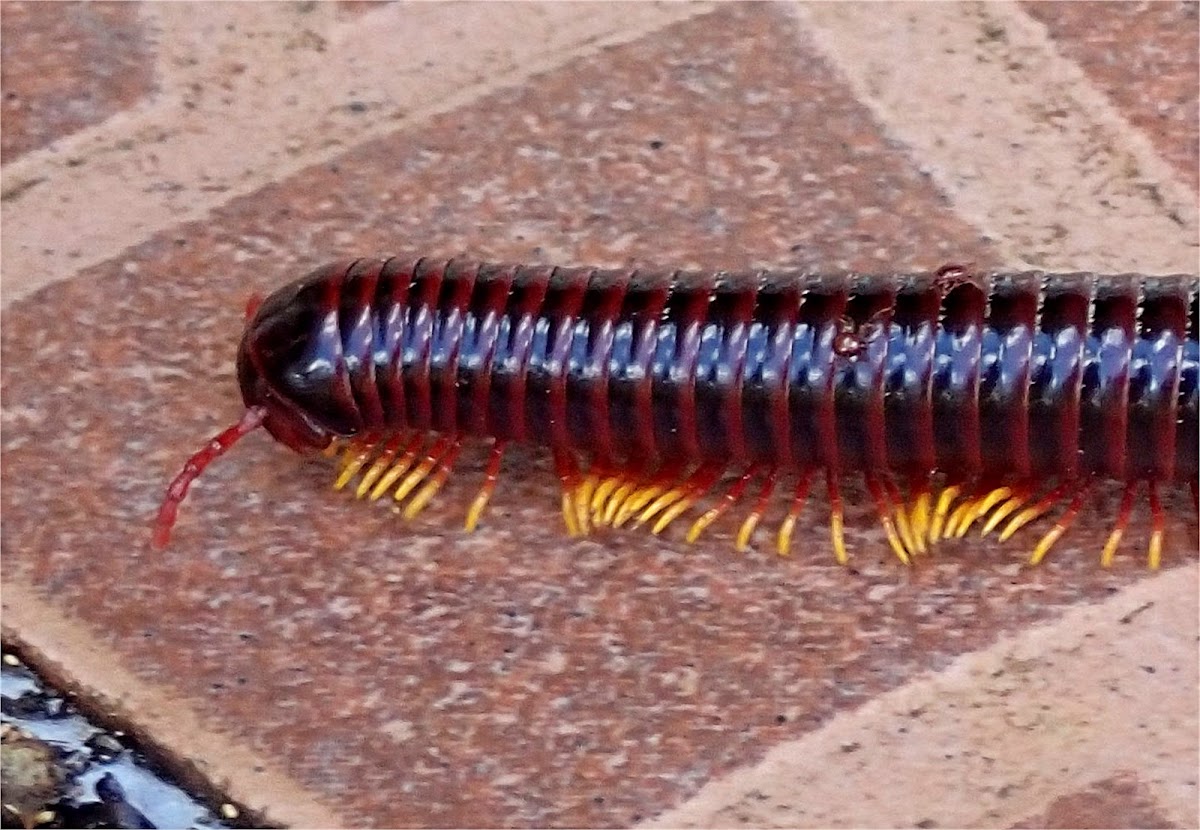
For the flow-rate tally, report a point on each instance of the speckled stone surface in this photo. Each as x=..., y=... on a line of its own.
x=1117, y=802
x=353, y=8
x=66, y=66
x=1146, y=58
x=414, y=675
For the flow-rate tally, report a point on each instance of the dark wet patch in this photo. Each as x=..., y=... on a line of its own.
x=101, y=779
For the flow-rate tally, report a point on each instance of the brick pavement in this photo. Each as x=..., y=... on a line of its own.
x=368, y=673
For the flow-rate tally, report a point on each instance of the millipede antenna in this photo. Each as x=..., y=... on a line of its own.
x=214, y=449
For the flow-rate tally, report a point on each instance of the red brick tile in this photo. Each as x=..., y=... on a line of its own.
x=1117, y=802
x=1145, y=57
x=67, y=66
x=513, y=676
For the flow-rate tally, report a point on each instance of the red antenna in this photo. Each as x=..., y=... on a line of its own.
x=195, y=465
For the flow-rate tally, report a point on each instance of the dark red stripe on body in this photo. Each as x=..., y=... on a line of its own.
x=587, y=396
x=630, y=391
x=766, y=423
x=1104, y=407
x=720, y=367
x=356, y=316
x=860, y=374
x=956, y=382
x=908, y=402
x=811, y=410
x=458, y=283
x=1004, y=382
x=423, y=315
x=391, y=308
x=510, y=372
x=546, y=393
x=487, y=324
x=1154, y=381
x=1056, y=376
x=673, y=389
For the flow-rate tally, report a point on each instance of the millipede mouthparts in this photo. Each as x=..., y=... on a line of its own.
x=963, y=399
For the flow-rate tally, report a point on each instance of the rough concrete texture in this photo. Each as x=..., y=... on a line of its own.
x=1143, y=56
x=333, y=664
x=67, y=66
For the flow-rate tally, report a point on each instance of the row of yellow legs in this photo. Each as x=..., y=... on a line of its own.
x=405, y=467
x=401, y=465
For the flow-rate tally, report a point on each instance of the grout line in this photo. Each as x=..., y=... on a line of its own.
x=217, y=129
x=69, y=656
x=1021, y=142
x=1033, y=717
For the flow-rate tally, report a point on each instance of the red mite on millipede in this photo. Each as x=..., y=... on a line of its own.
x=1013, y=392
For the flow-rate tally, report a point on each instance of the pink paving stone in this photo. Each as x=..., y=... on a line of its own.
x=1117, y=802
x=355, y=8
x=68, y=66
x=415, y=675
x=1146, y=58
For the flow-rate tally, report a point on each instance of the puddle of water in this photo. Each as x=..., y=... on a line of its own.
x=105, y=783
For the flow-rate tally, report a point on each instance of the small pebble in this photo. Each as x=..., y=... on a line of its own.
x=229, y=812
x=11, y=660
x=107, y=744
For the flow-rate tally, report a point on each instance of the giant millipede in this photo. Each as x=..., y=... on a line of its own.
x=961, y=398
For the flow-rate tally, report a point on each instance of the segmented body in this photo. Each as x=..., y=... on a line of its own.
x=1016, y=377
x=1014, y=374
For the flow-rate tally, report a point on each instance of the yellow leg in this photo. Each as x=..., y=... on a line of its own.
x=901, y=517
x=783, y=543
x=636, y=501
x=920, y=518
x=1029, y=514
x=982, y=507
x=568, y=512
x=1114, y=538
x=727, y=501
x=423, y=496
x=836, y=520
x=696, y=485
x=382, y=463
x=945, y=499
x=418, y=474
x=600, y=498
x=957, y=516
x=352, y=465
x=644, y=490
x=617, y=502
x=704, y=522
x=672, y=513
x=489, y=484
x=751, y=522
x=1154, y=557
x=885, y=509
x=399, y=468
x=583, y=500
x=1060, y=527
x=659, y=504
x=678, y=499
x=568, y=476
x=1003, y=512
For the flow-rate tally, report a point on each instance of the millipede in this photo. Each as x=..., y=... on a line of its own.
x=961, y=398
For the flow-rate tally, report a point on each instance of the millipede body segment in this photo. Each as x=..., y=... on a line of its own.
x=963, y=399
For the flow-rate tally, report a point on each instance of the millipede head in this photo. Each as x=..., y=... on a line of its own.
x=277, y=333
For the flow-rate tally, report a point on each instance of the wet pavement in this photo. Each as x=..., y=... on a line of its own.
x=95, y=778
x=328, y=665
